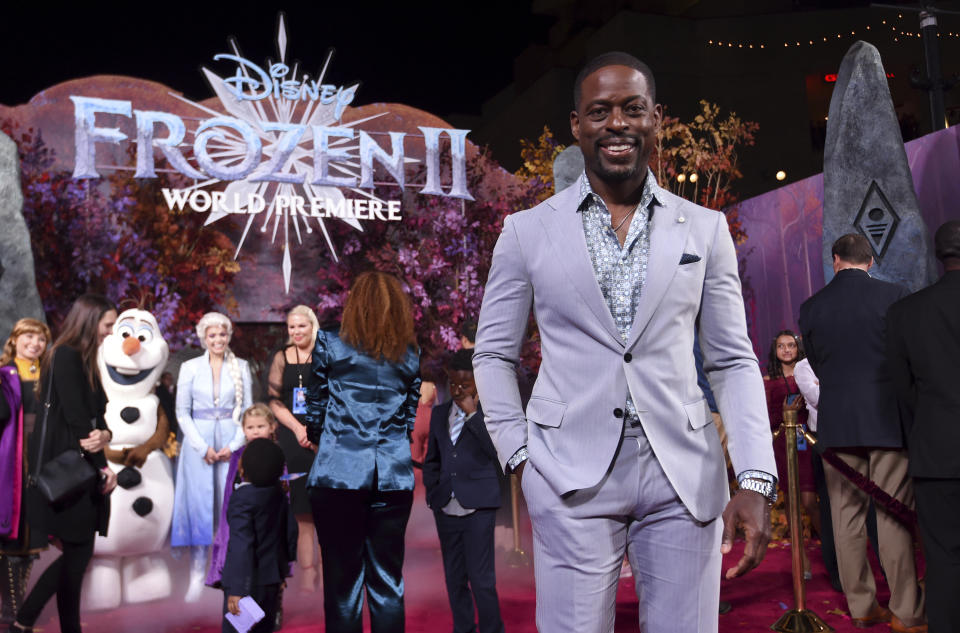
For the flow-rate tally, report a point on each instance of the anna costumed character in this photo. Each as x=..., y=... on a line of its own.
x=19, y=545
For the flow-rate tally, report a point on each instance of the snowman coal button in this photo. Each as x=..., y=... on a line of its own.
x=143, y=506
x=129, y=477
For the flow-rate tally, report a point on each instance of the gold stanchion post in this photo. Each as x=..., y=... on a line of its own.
x=799, y=619
x=518, y=557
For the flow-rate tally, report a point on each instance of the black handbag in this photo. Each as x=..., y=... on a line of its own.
x=67, y=474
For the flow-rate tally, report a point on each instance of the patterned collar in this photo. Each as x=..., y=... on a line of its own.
x=651, y=193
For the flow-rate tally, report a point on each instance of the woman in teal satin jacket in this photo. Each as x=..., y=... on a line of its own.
x=360, y=412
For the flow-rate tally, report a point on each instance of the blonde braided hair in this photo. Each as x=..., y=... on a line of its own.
x=237, y=386
x=216, y=319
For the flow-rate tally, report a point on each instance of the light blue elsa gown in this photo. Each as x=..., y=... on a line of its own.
x=198, y=495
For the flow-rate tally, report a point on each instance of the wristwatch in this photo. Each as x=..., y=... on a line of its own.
x=767, y=488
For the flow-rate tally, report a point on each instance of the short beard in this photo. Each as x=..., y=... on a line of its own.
x=618, y=173
x=621, y=175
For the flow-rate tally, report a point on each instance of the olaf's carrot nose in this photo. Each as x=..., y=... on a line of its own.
x=131, y=345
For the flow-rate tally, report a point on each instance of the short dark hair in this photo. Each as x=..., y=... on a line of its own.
x=947, y=240
x=613, y=58
x=468, y=330
x=462, y=360
x=431, y=369
x=853, y=248
x=262, y=462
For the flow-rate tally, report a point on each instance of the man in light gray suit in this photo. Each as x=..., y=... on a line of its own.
x=616, y=448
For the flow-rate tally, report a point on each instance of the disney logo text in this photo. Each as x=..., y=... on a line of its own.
x=252, y=83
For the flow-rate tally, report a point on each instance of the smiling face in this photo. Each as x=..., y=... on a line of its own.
x=132, y=356
x=105, y=326
x=616, y=123
x=300, y=330
x=30, y=345
x=216, y=338
x=786, y=349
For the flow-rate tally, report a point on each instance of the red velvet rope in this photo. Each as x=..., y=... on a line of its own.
x=900, y=511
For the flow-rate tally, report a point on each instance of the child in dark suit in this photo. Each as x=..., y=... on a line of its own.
x=461, y=474
x=263, y=535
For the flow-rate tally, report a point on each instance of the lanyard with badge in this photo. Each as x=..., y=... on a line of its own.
x=299, y=392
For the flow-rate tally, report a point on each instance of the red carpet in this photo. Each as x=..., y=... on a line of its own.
x=761, y=597
x=758, y=599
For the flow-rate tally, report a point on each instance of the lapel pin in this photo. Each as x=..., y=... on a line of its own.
x=681, y=219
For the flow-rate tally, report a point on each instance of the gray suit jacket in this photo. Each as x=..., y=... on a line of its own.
x=569, y=425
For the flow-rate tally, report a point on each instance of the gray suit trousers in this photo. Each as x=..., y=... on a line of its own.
x=579, y=541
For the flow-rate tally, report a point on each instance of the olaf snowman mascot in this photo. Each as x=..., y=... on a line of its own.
x=129, y=564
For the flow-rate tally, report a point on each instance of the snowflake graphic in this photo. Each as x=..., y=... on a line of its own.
x=230, y=148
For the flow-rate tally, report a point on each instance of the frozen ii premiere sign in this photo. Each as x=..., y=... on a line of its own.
x=282, y=150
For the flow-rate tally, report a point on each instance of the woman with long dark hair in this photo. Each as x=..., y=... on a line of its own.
x=24, y=352
x=785, y=352
x=360, y=413
x=74, y=419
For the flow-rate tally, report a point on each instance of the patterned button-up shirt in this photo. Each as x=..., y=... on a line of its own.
x=620, y=270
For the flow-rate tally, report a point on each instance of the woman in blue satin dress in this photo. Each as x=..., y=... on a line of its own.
x=360, y=411
x=212, y=391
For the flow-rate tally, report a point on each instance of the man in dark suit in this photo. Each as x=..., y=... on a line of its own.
x=461, y=473
x=844, y=335
x=263, y=535
x=923, y=339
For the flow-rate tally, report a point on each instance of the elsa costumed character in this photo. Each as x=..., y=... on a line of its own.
x=212, y=391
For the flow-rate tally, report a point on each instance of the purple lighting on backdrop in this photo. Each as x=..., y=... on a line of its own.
x=781, y=261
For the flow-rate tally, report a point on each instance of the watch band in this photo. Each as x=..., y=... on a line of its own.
x=767, y=488
x=518, y=458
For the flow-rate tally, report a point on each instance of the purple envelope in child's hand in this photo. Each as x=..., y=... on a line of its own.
x=250, y=614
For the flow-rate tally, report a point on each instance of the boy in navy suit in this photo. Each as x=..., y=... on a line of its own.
x=461, y=474
x=263, y=535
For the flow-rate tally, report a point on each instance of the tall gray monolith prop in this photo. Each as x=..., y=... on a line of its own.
x=18, y=287
x=567, y=167
x=866, y=179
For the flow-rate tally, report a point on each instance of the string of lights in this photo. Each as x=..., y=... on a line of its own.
x=888, y=27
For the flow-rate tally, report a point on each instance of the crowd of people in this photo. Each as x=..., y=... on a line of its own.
x=647, y=379
x=340, y=406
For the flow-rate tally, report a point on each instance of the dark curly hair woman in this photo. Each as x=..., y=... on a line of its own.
x=786, y=351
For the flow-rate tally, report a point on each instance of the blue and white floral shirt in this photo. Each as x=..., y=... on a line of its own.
x=620, y=270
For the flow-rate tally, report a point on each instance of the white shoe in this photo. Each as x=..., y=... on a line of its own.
x=195, y=589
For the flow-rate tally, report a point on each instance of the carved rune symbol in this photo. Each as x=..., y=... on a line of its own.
x=877, y=220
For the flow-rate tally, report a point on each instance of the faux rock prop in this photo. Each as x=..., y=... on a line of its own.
x=866, y=178
x=567, y=167
x=18, y=286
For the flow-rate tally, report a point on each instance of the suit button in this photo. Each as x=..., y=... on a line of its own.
x=628, y=357
x=454, y=453
x=453, y=474
x=618, y=412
